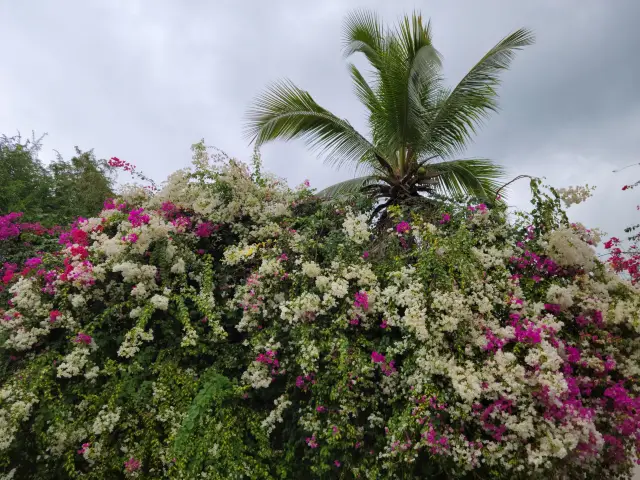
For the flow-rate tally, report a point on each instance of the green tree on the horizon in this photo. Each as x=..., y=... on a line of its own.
x=23, y=179
x=80, y=185
x=417, y=125
x=52, y=194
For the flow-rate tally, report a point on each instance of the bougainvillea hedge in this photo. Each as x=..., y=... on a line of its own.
x=230, y=327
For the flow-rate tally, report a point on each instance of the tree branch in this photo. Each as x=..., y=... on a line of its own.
x=510, y=182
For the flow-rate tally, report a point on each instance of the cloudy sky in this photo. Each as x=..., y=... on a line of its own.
x=143, y=80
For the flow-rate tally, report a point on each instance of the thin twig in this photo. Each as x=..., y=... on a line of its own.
x=509, y=183
x=620, y=169
x=619, y=253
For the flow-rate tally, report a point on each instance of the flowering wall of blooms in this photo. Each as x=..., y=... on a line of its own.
x=19, y=243
x=227, y=326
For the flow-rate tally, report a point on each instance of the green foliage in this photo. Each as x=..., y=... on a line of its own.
x=547, y=211
x=24, y=181
x=79, y=186
x=241, y=329
x=53, y=194
x=215, y=389
x=26, y=245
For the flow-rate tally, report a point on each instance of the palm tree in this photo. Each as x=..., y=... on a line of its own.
x=417, y=125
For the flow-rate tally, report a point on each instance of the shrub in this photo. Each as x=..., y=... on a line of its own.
x=56, y=193
x=19, y=242
x=230, y=327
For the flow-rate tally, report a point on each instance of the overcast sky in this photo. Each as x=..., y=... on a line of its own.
x=143, y=80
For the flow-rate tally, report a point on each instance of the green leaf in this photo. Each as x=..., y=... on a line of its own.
x=477, y=177
x=348, y=187
x=214, y=390
x=363, y=90
x=474, y=98
x=285, y=111
x=363, y=32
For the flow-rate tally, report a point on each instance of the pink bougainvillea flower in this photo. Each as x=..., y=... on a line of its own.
x=169, y=209
x=377, y=357
x=611, y=242
x=9, y=271
x=301, y=382
x=84, y=448
x=388, y=368
x=33, y=262
x=403, y=227
x=361, y=300
x=83, y=338
x=205, y=229
x=109, y=204
x=53, y=315
x=552, y=308
x=138, y=218
x=8, y=227
x=130, y=238
x=132, y=465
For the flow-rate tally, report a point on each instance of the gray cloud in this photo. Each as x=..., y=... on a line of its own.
x=144, y=80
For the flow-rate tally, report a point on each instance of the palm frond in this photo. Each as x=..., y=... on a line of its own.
x=363, y=90
x=348, y=187
x=363, y=32
x=477, y=177
x=414, y=35
x=407, y=73
x=425, y=66
x=474, y=98
x=424, y=85
x=383, y=136
x=389, y=119
x=286, y=112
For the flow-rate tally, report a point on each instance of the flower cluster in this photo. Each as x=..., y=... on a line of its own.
x=624, y=257
x=130, y=168
x=10, y=227
x=22, y=243
x=575, y=195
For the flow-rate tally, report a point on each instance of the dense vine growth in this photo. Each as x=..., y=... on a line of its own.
x=228, y=326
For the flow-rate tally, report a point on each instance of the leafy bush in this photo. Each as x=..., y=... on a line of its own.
x=230, y=327
x=53, y=194
x=21, y=241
